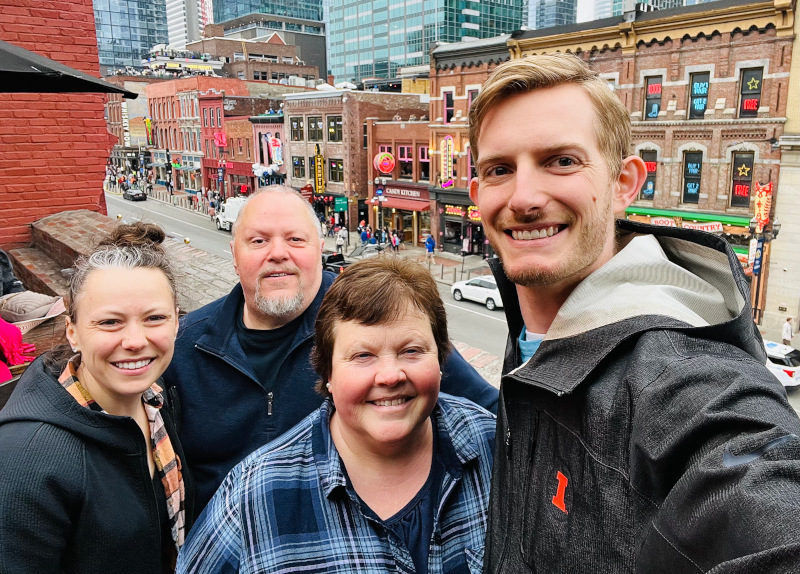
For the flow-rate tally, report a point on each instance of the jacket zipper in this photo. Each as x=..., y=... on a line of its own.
x=269, y=403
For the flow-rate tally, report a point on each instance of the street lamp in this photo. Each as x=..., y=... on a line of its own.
x=759, y=239
x=380, y=183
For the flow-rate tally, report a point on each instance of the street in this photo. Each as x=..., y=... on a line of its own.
x=468, y=322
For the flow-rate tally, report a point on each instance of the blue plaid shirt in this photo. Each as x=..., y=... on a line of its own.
x=285, y=508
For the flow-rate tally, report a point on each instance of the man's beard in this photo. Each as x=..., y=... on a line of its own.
x=277, y=306
x=585, y=251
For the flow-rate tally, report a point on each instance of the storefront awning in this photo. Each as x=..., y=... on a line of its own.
x=156, y=164
x=190, y=169
x=402, y=203
x=690, y=215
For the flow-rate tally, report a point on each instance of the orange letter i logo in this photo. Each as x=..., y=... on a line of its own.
x=558, y=499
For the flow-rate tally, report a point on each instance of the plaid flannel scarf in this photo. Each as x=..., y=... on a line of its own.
x=168, y=465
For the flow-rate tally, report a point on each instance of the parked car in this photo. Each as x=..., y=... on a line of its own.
x=134, y=194
x=334, y=262
x=786, y=359
x=480, y=289
x=368, y=250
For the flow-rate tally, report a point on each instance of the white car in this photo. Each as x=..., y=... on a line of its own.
x=481, y=289
x=783, y=360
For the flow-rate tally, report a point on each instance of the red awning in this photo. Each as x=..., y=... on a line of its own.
x=402, y=203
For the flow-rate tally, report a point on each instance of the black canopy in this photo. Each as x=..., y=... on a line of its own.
x=24, y=71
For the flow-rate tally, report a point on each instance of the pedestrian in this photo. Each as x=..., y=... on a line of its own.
x=640, y=430
x=324, y=226
x=430, y=245
x=464, y=246
x=787, y=332
x=364, y=236
x=241, y=366
x=341, y=238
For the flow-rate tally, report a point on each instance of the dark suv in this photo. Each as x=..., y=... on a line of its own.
x=334, y=262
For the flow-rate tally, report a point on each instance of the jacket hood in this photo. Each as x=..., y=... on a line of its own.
x=661, y=278
x=39, y=397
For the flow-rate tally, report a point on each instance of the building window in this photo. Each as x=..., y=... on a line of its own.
x=424, y=164
x=473, y=172
x=698, y=96
x=298, y=167
x=652, y=98
x=296, y=126
x=384, y=149
x=334, y=128
x=247, y=149
x=471, y=95
x=205, y=117
x=449, y=106
x=311, y=166
x=315, y=129
x=336, y=170
x=692, y=170
x=742, y=179
x=405, y=156
x=219, y=117
x=365, y=136
x=648, y=190
x=239, y=145
x=750, y=92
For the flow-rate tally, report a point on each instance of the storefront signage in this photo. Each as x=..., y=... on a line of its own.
x=403, y=192
x=473, y=213
x=456, y=210
x=710, y=227
x=126, y=126
x=340, y=204
x=319, y=171
x=220, y=139
x=276, y=150
x=663, y=221
x=759, y=254
x=763, y=205
x=447, y=150
x=384, y=162
x=751, y=255
x=148, y=127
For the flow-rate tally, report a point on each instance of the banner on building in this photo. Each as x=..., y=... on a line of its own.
x=763, y=206
x=319, y=171
x=710, y=227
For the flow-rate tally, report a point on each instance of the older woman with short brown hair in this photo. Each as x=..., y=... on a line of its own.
x=388, y=474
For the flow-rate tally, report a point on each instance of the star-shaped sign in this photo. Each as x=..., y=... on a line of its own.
x=753, y=84
x=743, y=170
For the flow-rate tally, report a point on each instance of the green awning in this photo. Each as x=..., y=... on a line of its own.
x=690, y=215
x=741, y=250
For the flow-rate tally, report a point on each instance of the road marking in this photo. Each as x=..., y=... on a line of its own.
x=160, y=214
x=475, y=312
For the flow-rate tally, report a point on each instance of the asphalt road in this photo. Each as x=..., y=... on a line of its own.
x=468, y=322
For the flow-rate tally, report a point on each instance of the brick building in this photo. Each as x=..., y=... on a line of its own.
x=706, y=87
x=271, y=60
x=269, y=167
x=126, y=120
x=329, y=128
x=53, y=147
x=399, y=161
x=176, y=114
x=457, y=73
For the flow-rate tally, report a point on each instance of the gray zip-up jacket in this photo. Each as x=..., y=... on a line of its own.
x=645, y=434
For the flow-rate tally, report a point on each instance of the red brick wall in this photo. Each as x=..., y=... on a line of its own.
x=53, y=147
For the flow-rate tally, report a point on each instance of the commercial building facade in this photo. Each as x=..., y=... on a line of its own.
x=457, y=72
x=375, y=38
x=325, y=145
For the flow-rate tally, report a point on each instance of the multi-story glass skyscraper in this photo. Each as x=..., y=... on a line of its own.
x=127, y=30
x=373, y=38
x=618, y=6
x=225, y=10
x=555, y=13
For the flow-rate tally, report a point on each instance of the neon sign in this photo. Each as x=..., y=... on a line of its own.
x=651, y=166
x=456, y=210
x=384, y=162
x=220, y=139
x=750, y=104
x=741, y=190
x=447, y=149
x=653, y=89
x=473, y=213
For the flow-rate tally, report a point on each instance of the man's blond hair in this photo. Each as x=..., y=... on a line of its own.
x=612, y=122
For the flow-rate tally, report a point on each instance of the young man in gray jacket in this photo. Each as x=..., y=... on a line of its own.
x=638, y=429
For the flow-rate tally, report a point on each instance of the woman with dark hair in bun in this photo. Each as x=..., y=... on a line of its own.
x=92, y=478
